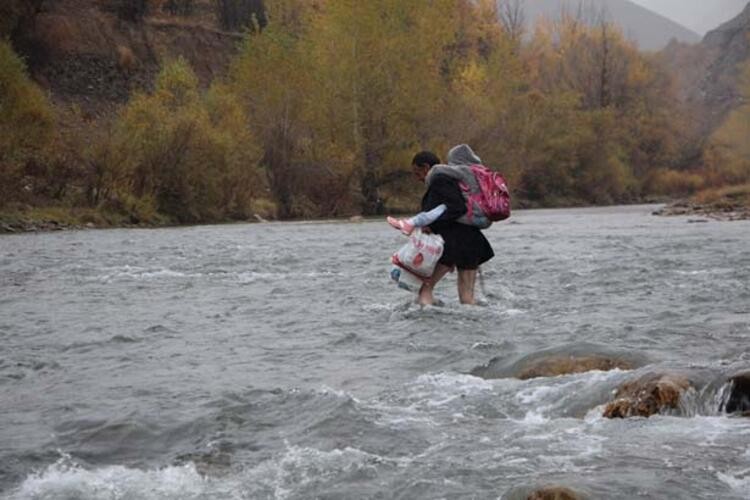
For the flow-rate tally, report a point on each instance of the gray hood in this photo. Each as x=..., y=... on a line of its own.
x=463, y=155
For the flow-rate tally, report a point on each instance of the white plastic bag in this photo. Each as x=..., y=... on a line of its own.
x=416, y=260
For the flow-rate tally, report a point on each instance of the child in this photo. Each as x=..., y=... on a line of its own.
x=422, y=219
x=460, y=159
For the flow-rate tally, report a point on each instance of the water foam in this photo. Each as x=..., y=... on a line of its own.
x=303, y=467
x=136, y=273
x=739, y=481
x=65, y=480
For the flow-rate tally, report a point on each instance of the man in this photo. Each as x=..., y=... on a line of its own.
x=466, y=248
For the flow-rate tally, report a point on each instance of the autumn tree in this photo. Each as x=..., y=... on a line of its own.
x=379, y=83
x=272, y=78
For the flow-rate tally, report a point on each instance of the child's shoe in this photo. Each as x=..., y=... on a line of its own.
x=402, y=225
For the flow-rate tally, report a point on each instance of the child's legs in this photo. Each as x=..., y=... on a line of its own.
x=425, y=297
x=466, y=283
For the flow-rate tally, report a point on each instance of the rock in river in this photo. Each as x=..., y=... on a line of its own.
x=648, y=395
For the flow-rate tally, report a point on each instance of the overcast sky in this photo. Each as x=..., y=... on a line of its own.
x=698, y=15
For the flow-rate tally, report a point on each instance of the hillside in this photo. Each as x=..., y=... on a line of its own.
x=650, y=30
x=708, y=73
x=95, y=52
x=303, y=126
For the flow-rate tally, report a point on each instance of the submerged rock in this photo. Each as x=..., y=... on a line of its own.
x=543, y=493
x=739, y=397
x=561, y=360
x=648, y=396
x=554, y=493
x=554, y=366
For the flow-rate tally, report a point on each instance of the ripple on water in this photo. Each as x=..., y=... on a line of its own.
x=238, y=408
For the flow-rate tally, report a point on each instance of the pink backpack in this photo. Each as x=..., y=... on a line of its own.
x=493, y=196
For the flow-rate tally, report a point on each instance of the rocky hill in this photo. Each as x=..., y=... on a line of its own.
x=650, y=30
x=95, y=52
x=708, y=73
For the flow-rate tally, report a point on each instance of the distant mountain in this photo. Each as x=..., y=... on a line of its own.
x=651, y=31
x=700, y=16
x=708, y=73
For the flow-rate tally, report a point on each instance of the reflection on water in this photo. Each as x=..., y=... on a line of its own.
x=278, y=361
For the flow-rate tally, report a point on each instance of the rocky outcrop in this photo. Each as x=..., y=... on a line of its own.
x=648, y=395
x=725, y=212
x=730, y=44
x=729, y=204
x=86, y=53
x=708, y=73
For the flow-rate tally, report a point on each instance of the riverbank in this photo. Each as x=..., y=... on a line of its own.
x=47, y=219
x=718, y=204
x=728, y=204
x=42, y=219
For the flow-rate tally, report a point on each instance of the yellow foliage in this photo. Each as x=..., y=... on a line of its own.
x=26, y=117
x=674, y=183
x=188, y=152
x=26, y=122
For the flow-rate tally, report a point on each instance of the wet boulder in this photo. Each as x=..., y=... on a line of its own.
x=554, y=493
x=739, y=395
x=549, y=492
x=562, y=360
x=648, y=395
x=553, y=366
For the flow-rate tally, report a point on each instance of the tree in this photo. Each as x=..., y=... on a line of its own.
x=513, y=20
x=378, y=79
x=271, y=77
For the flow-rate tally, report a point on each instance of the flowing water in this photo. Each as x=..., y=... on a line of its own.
x=278, y=361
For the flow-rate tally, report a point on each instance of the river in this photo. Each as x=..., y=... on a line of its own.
x=277, y=361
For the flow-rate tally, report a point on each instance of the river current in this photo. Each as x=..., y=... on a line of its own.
x=277, y=361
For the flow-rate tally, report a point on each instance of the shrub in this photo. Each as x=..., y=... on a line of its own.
x=187, y=151
x=26, y=123
x=673, y=182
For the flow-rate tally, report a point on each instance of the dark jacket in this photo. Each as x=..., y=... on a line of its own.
x=465, y=246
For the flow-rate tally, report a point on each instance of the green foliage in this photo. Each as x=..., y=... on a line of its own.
x=26, y=123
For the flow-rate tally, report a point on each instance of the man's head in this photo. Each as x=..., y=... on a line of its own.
x=422, y=163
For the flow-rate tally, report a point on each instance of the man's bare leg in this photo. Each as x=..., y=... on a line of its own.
x=425, y=297
x=466, y=281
